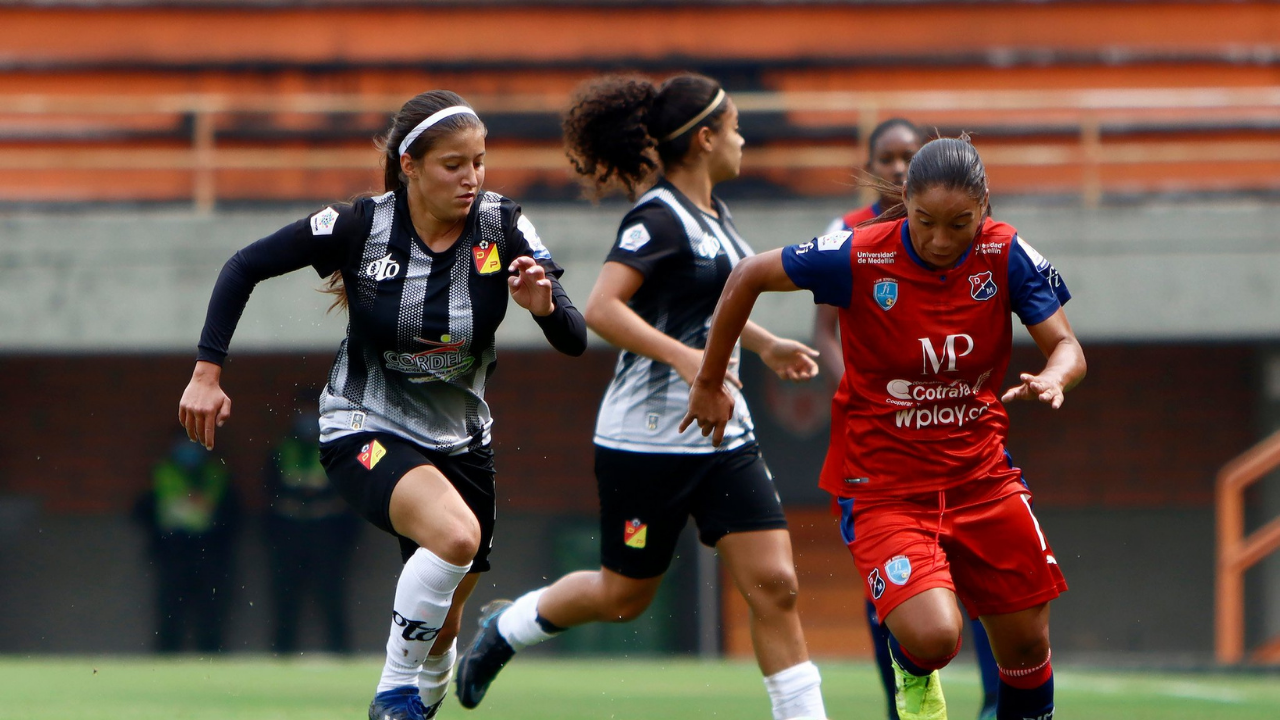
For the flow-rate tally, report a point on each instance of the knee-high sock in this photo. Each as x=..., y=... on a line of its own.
x=433, y=678
x=796, y=693
x=1026, y=694
x=521, y=625
x=423, y=596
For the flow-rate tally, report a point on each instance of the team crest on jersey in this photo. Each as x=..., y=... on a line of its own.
x=486, y=257
x=982, y=286
x=898, y=569
x=370, y=454
x=876, y=583
x=635, y=534
x=322, y=223
x=886, y=293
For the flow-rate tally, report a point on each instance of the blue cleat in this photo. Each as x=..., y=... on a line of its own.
x=402, y=703
x=487, y=654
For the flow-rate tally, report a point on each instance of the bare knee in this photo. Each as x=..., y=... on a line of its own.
x=456, y=539
x=772, y=591
x=1025, y=651
x=625, y=603
x=934, y=639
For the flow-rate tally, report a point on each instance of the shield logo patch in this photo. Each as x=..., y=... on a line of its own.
x=886, y=293
x=898, y=569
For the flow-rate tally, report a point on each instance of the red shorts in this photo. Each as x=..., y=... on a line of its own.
x=981, y=542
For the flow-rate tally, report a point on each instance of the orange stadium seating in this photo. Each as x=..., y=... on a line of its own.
x=175, y=102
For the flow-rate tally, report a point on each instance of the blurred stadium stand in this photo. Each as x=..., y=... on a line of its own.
x=1134, y=143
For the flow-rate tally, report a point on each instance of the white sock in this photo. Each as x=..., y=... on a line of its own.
x=423, y=596
x=796, y=693
x=433, y=678
x=519, y=626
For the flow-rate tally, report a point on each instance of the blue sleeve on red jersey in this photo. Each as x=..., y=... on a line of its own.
x=1035, y=287
x=823, y=266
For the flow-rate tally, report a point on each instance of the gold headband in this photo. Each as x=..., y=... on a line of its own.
x=715, y=103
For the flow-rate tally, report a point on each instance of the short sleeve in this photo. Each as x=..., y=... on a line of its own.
x=649, y=235
x=525, y=240
x=1035, y=286
x=823, y=266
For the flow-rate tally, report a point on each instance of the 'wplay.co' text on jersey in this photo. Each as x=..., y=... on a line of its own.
x=918, y=407
x=685, y=256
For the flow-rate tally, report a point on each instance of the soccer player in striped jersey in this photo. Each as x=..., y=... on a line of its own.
x=933, y=508
x=890, y=148
x=654, y=300
x=424, y=272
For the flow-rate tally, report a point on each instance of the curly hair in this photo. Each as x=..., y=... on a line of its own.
x=618, y=129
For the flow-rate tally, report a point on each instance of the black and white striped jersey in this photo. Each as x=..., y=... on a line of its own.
x=420, y=335
x=686, y=256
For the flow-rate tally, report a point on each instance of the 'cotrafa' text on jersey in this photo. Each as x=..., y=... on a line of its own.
x=925, y=352
x=685, y=256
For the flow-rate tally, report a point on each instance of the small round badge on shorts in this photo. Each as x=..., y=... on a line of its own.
x=898, y=569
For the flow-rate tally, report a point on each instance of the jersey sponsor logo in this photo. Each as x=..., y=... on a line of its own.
x=323, y=222
x=442, y=361
x=958, y=415
x=651, y=422
x=635, y=534
x=486, y=257
x=989, y=248
x=370, y=454
x=414, y=630
x=933, y=360
x=886, y=293
x=802, y=249
x=982, y=286
x=357, y=421
x=383, y=269
x=898, y=569
x=877, y=258
x=708, y=246
x=833, y=241
x=634, y=237
x=917, y=391
x=540, y=251
x=876, y=583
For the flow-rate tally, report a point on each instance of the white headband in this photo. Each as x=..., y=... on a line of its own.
x=435, y=118
x=715, y=103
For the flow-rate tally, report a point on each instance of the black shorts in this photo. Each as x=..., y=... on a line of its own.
x=646, y=499
x=366, y=481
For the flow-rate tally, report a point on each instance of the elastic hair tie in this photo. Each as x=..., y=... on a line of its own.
x=432, y=120
x=715, y=103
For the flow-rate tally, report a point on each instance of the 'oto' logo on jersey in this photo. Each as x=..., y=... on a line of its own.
x=383, y=269
x=934, y=361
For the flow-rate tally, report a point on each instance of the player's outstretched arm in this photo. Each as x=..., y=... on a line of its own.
x=1065, y=367
x=788, y=359
x=710, y=405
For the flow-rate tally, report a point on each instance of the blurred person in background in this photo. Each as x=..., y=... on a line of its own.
x=191, y=514
x=311, y=533
x=890, y=148
x=653, y=299
x=425, y=272
x=933, y=508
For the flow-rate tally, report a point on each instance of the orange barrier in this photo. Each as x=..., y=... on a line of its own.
x=1238, y=552
x=1059, y=147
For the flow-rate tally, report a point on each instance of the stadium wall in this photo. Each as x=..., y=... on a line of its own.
x=1122, y=475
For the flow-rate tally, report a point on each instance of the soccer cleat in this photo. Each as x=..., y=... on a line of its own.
x=486, y=655
x=918, y=698
x=430, y=712
x=988, y=713
x=402, y=703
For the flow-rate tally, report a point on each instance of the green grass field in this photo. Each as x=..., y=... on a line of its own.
x=149, y=688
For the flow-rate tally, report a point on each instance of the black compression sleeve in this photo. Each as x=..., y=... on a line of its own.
x=276, y=254
x=564, y=328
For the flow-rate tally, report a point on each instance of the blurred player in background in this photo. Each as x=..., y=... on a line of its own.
x=890, y=148
x=654, y=299
x=932, y=504
x=424, y=272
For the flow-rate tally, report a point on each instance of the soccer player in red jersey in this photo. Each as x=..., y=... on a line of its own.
x=890, y=147
x=933, y=507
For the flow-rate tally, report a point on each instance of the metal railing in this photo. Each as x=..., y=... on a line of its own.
x=1237, y=552
x=1087, y=111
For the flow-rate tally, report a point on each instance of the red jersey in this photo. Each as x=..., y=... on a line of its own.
x=854, y=218
x=925, y=351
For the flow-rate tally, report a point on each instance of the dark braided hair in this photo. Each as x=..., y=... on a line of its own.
x=617, y=124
